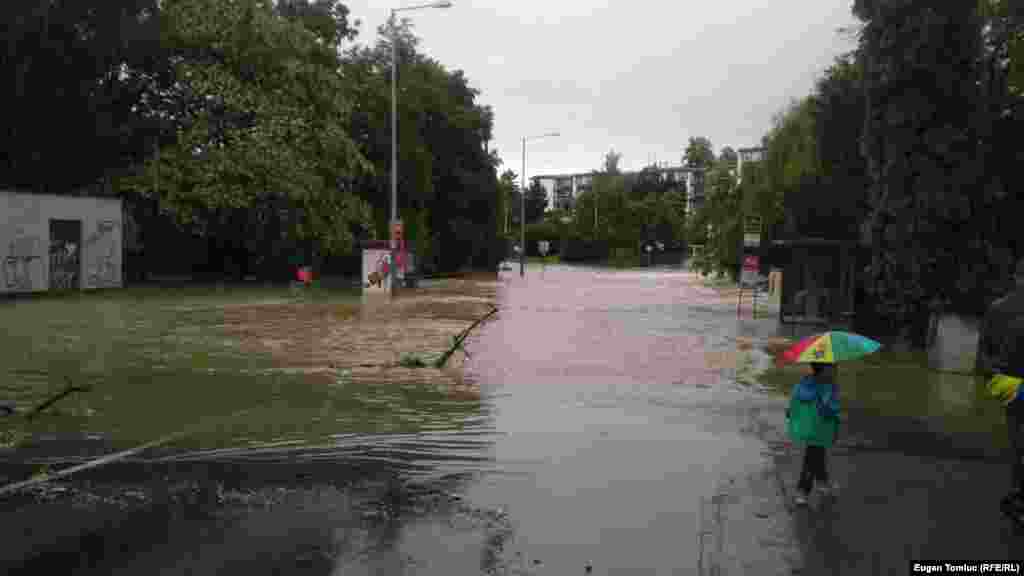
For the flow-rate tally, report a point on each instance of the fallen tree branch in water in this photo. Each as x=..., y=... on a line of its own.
x=458, y=340
x=67, y=391
x=43, y=478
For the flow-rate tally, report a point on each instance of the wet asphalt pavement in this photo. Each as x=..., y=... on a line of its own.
x=614, y=426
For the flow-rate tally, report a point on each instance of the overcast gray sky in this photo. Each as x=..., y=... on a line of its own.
x=639, y=76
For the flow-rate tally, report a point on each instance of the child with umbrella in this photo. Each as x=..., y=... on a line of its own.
x=812, y=418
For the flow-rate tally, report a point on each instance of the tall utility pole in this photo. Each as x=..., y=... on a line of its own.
x=394, y=122
x=522, y=206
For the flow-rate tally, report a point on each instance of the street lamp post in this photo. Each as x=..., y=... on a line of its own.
x=394, y=120
x=522, y=200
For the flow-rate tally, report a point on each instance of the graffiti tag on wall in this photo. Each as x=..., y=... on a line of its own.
x=102, y=252
x=63, y=265
x=22, y=259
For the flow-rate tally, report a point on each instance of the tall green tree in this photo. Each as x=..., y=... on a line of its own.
x=79, y=75
x=536, y=202
x=699, y=153
x=790, y=162
x=260, y=119
x=721, y=216
x=937, y=156
x=508, y=186
x=729, y=158
x=611, y=162
x=444, y=166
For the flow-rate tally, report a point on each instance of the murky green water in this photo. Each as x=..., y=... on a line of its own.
x=163, y=361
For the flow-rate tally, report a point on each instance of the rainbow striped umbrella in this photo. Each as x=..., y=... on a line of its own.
x=830, y=347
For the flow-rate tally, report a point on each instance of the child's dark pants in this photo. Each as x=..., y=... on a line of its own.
x=813, y=469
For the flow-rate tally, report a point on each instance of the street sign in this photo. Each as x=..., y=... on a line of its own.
x=751, y=263
x=397, y=234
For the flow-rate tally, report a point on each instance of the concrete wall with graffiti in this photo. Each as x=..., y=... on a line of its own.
x=59, y=243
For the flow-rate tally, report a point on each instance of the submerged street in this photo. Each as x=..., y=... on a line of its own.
x=604, y=422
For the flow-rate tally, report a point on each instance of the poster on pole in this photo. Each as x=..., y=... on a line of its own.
x=376, y=271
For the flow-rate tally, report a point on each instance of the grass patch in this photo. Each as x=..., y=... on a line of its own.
x=902, y=386
x=550, y=259
x=159, y=361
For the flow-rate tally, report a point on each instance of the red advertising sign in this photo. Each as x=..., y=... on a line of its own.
x=751, y=263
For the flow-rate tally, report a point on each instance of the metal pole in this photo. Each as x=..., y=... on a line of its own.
x=394, y=121
x=394, y=144
x=522, y=216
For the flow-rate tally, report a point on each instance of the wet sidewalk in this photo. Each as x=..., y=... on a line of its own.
x=895, y=505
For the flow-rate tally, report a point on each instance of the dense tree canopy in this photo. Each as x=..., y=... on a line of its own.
x=78, y=70
x=536, y=202
x=719, y=222
x=245, y=124
x=939, y=154
x=699, y=153
x=444, y=169
x=908, y=143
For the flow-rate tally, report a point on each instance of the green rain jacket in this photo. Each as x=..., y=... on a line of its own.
x=813, y=415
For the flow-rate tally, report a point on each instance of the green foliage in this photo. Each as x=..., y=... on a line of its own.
x=262, y=129
x=699, y=153
x=442, y=160
x=536, y=202
x=245, y=125
x=621, y=212
x=508, y=197
x=611, y=162
x=937, y=155
x=411, y=360
x=420, y=240
x=789, y=160
x=83, y=71
x=813, y=174
x=729, y=158
x=719, y=223
x=547, y=229
x=580, y=248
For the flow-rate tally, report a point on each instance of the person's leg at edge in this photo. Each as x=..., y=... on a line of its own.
x=1015, y=427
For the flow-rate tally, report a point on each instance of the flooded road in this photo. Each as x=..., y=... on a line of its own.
x=590, y=424
x=618, y=403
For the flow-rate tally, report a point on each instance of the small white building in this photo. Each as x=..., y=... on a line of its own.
x=50, y=242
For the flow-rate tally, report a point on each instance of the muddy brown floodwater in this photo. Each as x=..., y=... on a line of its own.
x=592, y=421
